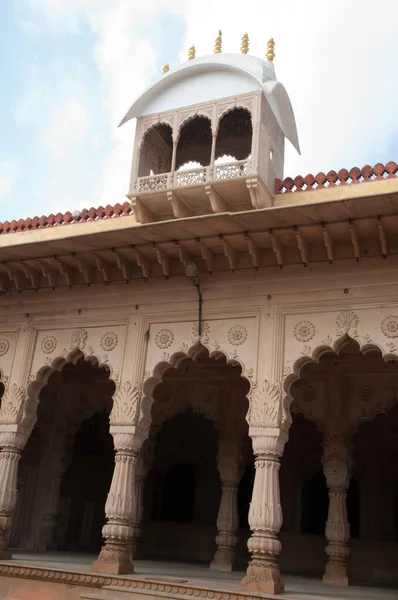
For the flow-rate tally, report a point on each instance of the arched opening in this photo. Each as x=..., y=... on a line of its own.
x=83, y=493
x=194, y=142
x=67, y=464
x=345, y=391
x=234, y=137
x=194, y=406
x=156, y=151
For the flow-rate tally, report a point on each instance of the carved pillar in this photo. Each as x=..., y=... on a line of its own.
x=337, y=472
x=12, y=444
x=61, y=458
x=144, y=465
x=265, y=514
x=213, y=153
x=119, y=508
x=228, y=463
x=173, y=163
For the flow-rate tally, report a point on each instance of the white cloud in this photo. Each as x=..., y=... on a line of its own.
x=337, y=61
x=67, y=127
x=9, y=171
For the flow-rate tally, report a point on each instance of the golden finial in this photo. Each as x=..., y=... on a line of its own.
x=166, y=68
x=218, y=44
x=191, y=53
x=271, y=49
x=245, y=44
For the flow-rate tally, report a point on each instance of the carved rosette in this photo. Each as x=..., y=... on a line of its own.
x=389, y=326
x=48, y=344
x=4, y=346
x=304, y=331
x=164, y=338
x=109, y=341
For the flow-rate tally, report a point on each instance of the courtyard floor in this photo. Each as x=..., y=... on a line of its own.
x=296, y=588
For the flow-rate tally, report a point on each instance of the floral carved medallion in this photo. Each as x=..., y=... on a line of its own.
x=4, y=346
x=164, y=338
x=365, y=393
x=237, y=335
x=79, y=338
x=308, y=393
x=48, y=344
x=304, y=331
x=389, y=326
x=109, y=341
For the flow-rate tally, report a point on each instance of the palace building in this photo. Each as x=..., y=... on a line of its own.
x=207, y=373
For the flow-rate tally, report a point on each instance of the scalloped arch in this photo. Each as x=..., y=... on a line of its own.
x=146, y=131
x=334, y=347
x=193, y=353
x=43, y=374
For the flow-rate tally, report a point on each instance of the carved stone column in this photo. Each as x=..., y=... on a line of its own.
x=337, y=472
x=61, y=458
x=12, y=444
x=228, y=463
x=144, y=465
x=265, y=514
x=115, y=556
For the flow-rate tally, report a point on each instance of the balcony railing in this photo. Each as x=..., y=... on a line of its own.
x=198, y=176
x=152, y=183
x=239, y=168
x=191, y=177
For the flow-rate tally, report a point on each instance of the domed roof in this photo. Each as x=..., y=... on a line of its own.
x=213, y=77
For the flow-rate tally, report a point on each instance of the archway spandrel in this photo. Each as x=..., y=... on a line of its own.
x=56, y=347
x=233, y=339
x=308, y=336
x=8, y=344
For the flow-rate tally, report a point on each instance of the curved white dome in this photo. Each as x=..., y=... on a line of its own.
x=214, y=77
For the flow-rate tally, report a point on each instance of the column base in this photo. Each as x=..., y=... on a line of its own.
x=5, y=555
x=263, y=579
x=222, y=561
x=113, y=560
x=335, y=574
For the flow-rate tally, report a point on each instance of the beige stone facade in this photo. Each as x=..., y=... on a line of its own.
x=262, y=409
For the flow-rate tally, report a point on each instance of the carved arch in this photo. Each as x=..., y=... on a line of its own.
x=334, y=347
x=40, y=379
x=150, y=125
x=241, y=104
x=193, y=353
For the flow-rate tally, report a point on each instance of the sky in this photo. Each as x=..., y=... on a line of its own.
x=70, y=70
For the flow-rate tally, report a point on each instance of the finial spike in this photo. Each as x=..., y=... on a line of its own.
x=166, y=68
x=245, y=44
x=191, y=53
x=218, y=44
x=271, y=49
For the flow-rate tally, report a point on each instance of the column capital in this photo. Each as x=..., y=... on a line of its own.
x=268, y=442
x=14, y=437
x=128, y=438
